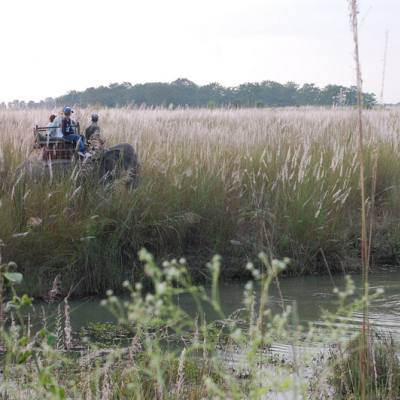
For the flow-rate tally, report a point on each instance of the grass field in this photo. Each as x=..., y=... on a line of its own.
x=232, y=182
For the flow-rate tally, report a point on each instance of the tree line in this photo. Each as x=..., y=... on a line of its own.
x=185, y=93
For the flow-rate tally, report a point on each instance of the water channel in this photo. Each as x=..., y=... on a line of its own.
x=311, y=294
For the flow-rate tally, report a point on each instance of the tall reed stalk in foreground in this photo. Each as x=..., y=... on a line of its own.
x=384, y=67
x=353, y=5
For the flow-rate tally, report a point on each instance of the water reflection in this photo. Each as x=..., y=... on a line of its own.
x=310, y=294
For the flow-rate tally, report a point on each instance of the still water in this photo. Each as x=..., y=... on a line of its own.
x=310, y=294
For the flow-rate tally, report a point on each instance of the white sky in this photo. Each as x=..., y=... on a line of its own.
x=49, y=47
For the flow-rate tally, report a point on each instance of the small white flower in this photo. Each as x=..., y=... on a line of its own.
x=161, y=287
x=125, y=284
x=182, y=261
x=149, y=297
x=249, y=266
x=109, y=292
x=103, y=303
x=256, y=273
x=278, y=265
x=138, y=286
x=172, y=272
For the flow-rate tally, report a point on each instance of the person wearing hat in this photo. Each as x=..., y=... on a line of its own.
x=69, y=133
x=93, y=138
x=93, y=128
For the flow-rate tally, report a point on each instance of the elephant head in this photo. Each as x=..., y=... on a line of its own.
x=120, y=161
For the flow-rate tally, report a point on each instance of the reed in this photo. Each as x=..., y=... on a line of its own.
x=233, y=182
x=383, y=380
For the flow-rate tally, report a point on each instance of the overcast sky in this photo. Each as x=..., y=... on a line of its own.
x=49, y=47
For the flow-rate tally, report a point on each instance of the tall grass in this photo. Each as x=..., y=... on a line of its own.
x=212, y=181
x=383, y=379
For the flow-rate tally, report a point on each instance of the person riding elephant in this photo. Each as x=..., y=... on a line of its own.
x=95, y=141
x=69, y=132
x=93, y=128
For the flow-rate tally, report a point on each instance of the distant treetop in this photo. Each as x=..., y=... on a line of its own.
x=185, y=93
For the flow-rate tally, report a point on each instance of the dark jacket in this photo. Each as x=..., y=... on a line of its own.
x=67, y=127
x=91, y=130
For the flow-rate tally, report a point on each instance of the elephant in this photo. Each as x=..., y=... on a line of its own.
x=117, y=162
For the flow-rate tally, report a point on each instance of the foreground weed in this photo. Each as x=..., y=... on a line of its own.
x=167, y=352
